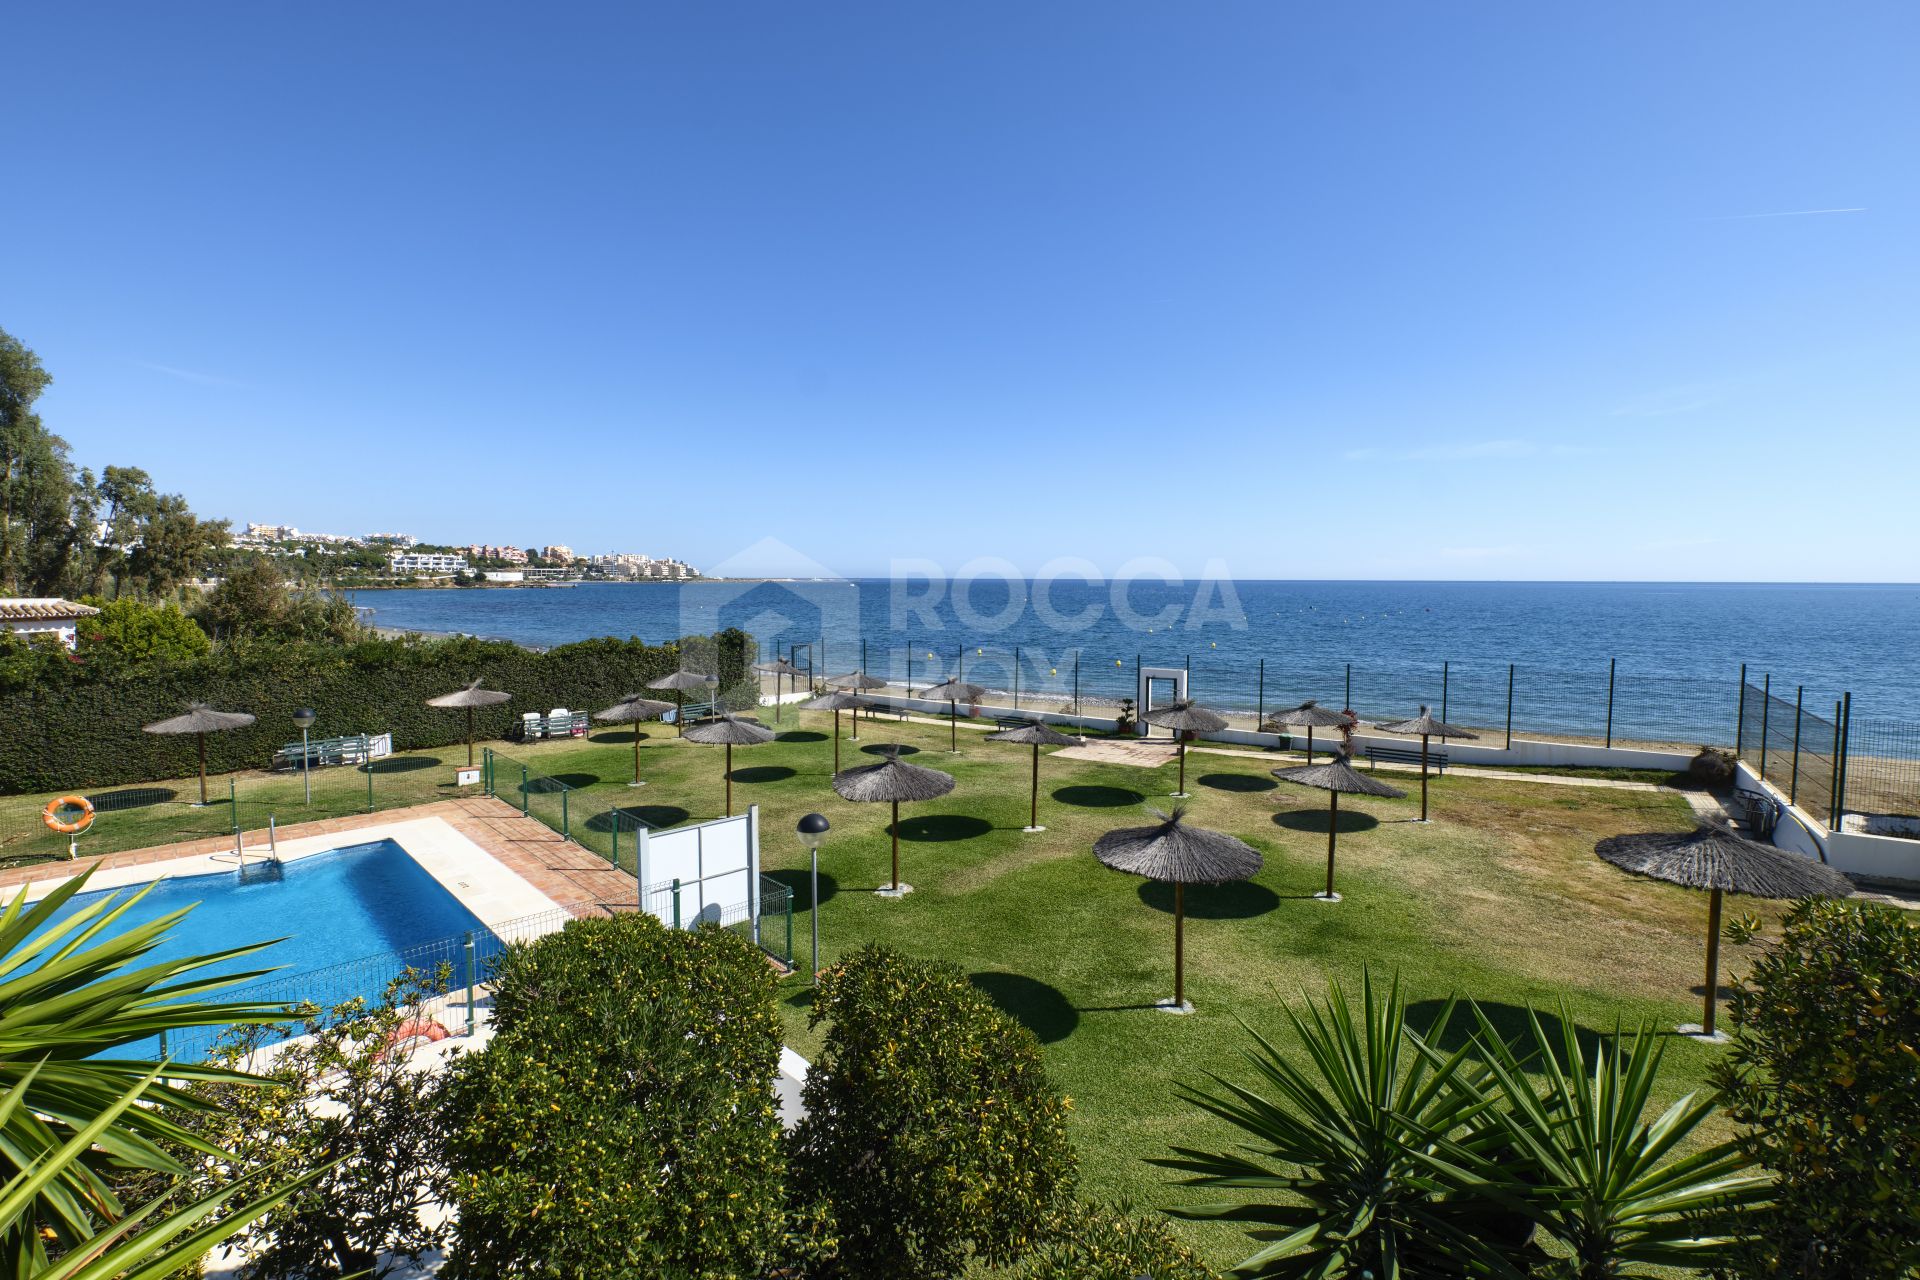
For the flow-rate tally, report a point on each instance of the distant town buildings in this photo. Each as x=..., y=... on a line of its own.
x=411, y=562
x=404, y=541
x=44, y=615
x=557, y=554
x=556, y=561
x=628, y=565
x=487, y=551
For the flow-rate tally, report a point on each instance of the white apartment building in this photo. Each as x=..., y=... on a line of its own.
x=436, y=562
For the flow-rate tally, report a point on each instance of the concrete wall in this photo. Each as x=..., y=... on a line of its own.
x=1871, y=859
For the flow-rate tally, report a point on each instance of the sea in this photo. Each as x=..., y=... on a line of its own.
x=1650, y=661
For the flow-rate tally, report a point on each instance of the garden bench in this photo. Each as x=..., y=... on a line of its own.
x=571, y=724
x=1436, y=760
x=1012, y=722
x=352, y=748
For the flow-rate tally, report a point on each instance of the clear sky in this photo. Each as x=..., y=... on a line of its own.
x=1440, y=289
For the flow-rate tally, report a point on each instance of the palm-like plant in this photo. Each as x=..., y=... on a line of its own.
x=1608, y=1186
x=72, y=992
x=1334, y=1179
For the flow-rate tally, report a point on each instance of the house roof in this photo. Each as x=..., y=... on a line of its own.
x=39, y=608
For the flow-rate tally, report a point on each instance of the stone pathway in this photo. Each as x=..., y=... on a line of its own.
x=1144, y=753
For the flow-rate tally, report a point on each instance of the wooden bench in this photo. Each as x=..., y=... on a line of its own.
x=1012, y=722
x=352, y=748
x=1436, y=760
x=572, y=725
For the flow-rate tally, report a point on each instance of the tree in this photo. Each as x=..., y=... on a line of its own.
x=621, y=1122
x=175, y=545
x=250, y=601
x=1824, y=1074
x=345, y=1100
x=37, y=531
x=932, y=1132
x=129, y=636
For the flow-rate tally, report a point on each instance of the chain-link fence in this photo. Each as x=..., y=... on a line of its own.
x=1882, y=766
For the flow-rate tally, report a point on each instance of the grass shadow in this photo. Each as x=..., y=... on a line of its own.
x=1314, y=821
x=799, y=882
x=578, y=781
x=1090, y=797
x=763, y=773
x=402, y=764
x=131, y=798
x=1238, y=900
x=897, y=748
x=943, y=828
x=1036, y=1006
x=618, y=735
x=631, y=817
x=801, y=735
x=1509, y=1020
x=1238, y=782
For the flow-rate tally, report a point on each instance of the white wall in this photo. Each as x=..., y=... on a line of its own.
x=1874, y=859
x=717, y=864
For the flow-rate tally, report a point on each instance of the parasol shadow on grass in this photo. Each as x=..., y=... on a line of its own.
x=1309, y=715
x=1036, y=735
x=892, y=781
x=1720, y=860
x=633, y=709
x=201, y=720
x=730, y=731
x=953, y=693
x=1337, y=777
x=1427, y=727
x=1182, y=718
x=680, y=682
x=1178, y=854
x=468, y=699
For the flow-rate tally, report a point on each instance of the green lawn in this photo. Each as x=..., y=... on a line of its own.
x=1500, y=898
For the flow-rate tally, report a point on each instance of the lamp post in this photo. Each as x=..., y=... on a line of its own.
x=305, y=717
x=812, y=830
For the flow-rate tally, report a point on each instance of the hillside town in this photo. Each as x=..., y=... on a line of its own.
x=403, y=556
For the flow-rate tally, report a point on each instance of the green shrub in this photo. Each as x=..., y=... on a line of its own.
x=1098, y=1242
x=65, y=730
x=1824, y=1074
x=932, y=1132
x=622, y=1123
x=129, y=636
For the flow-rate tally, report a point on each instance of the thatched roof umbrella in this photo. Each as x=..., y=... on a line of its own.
x=890, y=782
x=1426, y=726
x=680, y=682
x=1336, y=776
x=953, y=693
x=858, y=681
x=1182, y=855
x=1036, y=735
x=837, y=701
x=1185, y=717
x=730, y=731
x=777, y=668
x=1309, y=715
x=470, y=697
x=632, y=710
x=1720, y=860
x=201, y=720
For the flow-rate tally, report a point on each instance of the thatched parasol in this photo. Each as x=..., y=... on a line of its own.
x=837, y=701
x=890, y=782
x=858, y=681
x=470, y=697
x=1427, y=727
x=1717, y=858
x=953, y=693
x=1336, y=776
x=201, y=720
x=680, y=682
x=1181, y=855
x=1037, y=735
x=1309, y=715
x=730, y=731
x=777, y=668
x=632, y=710
x=1185, y=717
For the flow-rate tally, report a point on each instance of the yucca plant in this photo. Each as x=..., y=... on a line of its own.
x=151, y=1242
x=72, y=993
x=1608, y=1185
x=1333, y=1178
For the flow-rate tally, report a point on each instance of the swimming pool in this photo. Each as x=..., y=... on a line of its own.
x=351, y=918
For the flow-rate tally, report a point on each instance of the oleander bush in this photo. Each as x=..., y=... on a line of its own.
x=621, y=1122
x=1824, y=1074
x=66, y=728
x=932, y=1137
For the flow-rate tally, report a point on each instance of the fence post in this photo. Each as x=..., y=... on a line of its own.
x=1445, y=674
x=789, y=926
x=1766, y=706
x=1016, y=689
x=470, y=976
x=1610, y=667
x=1793, y=784
x=909, y=666
x=565, y=827
x=1846, y=744
x=526, y=797
x=1349, y=698
x=1833, y=773
x=1260, y=715
x=163, y=1042
x=676, y=902
x=1076, y=682
x=1509, y=706
x=369, y=767
x=1740, y=717
x=614, y=816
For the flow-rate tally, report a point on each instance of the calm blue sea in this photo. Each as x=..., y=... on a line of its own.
x=1379, y=646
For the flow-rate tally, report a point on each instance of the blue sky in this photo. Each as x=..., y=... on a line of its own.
x=1428, y=290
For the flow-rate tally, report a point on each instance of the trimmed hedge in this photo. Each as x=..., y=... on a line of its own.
x=622, y=1121
x=79, y=733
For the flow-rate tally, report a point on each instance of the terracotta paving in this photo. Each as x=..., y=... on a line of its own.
x=575, y=877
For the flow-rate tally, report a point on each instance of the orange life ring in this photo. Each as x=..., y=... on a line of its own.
x=51, y=815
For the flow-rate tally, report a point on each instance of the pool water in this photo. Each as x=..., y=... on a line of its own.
x=359, y=902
